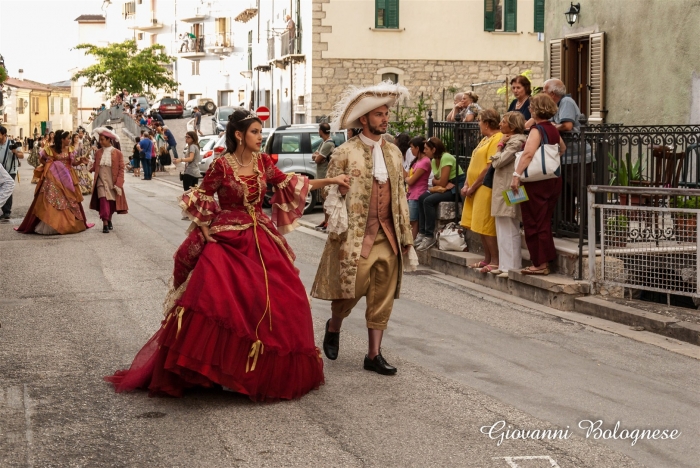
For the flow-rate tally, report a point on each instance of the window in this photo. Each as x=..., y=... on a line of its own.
x=393, y=77
x=53, y=110
x=386, y=14
x=539, y=16
x=580, y=63
x=139, y=36
x=501, y=15
x=35, y=105
x=60, y=101
x=287, y=143
x=20, y=108
x=195, y=67
x=223, y=32
x=128, y=9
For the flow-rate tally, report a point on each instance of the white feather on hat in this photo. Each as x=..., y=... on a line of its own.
x=356, y=102
x=104, y=131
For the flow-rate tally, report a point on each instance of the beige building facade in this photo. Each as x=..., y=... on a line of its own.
x=435, y=48
x=628, y=62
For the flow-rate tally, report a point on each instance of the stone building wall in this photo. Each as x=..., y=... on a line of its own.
x=436, y=80
x=427, y=77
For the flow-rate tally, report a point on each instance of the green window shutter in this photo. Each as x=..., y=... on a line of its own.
x=392, y=14
x=511, y=16
x=380, y=14
x=489, y=15
x=539, y=16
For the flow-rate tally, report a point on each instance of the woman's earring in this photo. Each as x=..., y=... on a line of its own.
x=240, y=142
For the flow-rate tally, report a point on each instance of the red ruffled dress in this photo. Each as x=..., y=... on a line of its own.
x=237, y=313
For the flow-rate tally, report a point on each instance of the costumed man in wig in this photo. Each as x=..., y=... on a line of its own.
x=108, y=188
x=363, y=253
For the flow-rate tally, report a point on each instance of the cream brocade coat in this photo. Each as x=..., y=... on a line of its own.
x=337, y=271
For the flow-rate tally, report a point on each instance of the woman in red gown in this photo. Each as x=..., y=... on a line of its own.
x=237, y=314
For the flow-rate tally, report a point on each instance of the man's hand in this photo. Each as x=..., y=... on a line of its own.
x=318, y=158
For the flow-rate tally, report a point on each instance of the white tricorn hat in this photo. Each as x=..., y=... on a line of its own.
x=104, y=131
x=356, y=102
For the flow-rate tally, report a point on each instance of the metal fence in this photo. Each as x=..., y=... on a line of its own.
x=107, y=116
x=650, y=246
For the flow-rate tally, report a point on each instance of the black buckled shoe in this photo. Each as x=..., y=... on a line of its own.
x=331, y=343
x=379, y=365
x=105, y=229
x=109, y=225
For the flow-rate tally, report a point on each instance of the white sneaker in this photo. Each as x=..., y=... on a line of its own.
x=426, y=243
x=419, y=238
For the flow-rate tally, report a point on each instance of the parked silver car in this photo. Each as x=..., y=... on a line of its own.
x=291, y=148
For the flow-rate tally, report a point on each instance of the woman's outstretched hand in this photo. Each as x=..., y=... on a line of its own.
x=343, y=182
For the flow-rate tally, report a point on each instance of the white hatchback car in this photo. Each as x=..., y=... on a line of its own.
x=212, y=150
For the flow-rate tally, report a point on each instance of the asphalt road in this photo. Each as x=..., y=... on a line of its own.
x=75, y=308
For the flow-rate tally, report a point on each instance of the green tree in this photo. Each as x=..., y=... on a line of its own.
x=410, y=120
x=3, y=74
x=122, y=65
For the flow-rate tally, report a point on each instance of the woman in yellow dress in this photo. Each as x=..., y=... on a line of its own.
x=477, y=197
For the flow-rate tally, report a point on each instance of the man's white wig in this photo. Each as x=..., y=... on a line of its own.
x=356, y=102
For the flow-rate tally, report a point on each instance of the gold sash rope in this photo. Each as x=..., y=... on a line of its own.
x=257, y=348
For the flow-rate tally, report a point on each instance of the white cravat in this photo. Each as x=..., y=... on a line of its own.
x=379, y=165
x=106, y=156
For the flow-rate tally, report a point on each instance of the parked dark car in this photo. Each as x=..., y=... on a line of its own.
x=169, y=107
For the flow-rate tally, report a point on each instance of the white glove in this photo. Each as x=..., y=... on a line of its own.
x=118, y=190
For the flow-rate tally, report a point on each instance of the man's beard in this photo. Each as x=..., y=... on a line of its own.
x=375, y=130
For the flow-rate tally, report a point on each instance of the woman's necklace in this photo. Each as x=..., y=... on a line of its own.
x=239, y=161
x=519, y=104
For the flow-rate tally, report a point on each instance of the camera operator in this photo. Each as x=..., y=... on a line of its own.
x=10, y=153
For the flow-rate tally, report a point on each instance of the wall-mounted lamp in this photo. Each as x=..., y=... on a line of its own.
x=573, y=13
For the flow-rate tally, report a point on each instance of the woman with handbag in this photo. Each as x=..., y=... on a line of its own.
x=543, y=193
x=476, y=214
x=448, y=179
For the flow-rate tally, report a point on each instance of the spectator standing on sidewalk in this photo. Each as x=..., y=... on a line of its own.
x=321, y=158
x=9, y=158
x=145, y=146
x=136, y=158
x=190, y=177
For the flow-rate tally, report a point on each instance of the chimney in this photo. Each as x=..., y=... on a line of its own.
x=21, y=73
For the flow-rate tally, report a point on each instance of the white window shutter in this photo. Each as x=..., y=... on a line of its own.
x=596, y=78
x=556, y=58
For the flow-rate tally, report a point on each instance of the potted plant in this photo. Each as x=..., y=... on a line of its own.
x=625, y=174
x=616, y=230
x=686, y=223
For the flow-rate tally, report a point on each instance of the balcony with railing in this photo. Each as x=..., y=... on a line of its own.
x=147, y=22
x=284, y=48
x=220, y=43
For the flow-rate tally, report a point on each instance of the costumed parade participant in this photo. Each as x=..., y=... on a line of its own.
x=237, y=314
x=81, y=143
x=108, y=191
x=57, y=207
x=364, y=257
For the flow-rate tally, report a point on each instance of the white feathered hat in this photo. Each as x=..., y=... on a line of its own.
x=104, y=131
x=356, y=102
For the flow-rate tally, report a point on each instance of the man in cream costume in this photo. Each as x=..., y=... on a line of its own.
x=366, y=259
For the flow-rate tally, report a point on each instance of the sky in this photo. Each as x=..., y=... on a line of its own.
x=37, y=36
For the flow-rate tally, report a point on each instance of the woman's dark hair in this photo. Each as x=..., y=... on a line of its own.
x=403, y=141
x=239, y=121
x=418, y=142
x=325, y=128
x=137, y=139
x=72, y=138
x=524, y=82
x=194, y=136
x=436, y=144
x=58, y=140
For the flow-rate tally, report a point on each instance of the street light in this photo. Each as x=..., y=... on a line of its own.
x=572, y=14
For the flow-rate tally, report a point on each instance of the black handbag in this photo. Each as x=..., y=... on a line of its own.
x=182, y=176
x=488, y=178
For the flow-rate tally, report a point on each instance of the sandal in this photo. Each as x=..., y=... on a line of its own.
x=490, y=269
x=480, y=264
x=532, y=271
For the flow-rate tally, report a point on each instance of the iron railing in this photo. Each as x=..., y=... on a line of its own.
x=652, y=247
x=601, y=154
